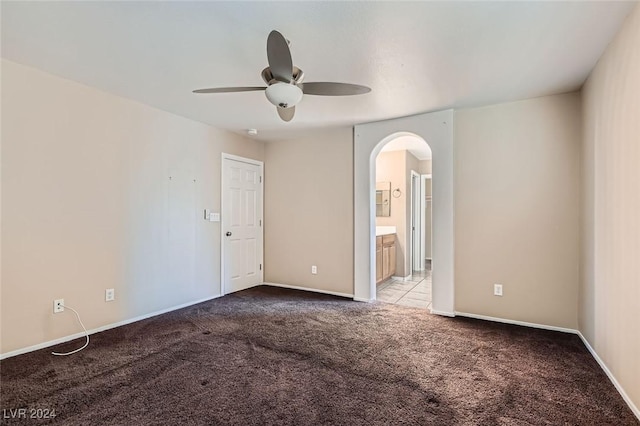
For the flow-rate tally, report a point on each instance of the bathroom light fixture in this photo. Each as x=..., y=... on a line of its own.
x=252, y=132
x=284, y=95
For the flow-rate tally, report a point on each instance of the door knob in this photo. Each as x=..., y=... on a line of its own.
x=228, y=234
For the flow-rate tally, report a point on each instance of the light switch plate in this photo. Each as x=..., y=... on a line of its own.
x=214, y=217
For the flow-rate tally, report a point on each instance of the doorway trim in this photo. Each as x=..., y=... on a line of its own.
x=416, y=223
x=436, y=129
x=423, y=219
x=260, y=207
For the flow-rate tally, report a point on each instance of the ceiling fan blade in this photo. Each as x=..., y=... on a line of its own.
x=279, y=57
x=333, y=89
x=286, y=113
x=229, y=89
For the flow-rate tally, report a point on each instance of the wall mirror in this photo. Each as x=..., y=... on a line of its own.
x=383, y=199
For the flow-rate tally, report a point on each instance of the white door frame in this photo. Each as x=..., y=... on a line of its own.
x=260, y=207
x=423, y=219
x=417, y=263
x=437, y=129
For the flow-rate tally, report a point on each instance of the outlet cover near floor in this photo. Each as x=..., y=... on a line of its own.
x=109, y=294
x=497, y=289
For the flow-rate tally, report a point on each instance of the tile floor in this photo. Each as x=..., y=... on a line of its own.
x=414, y=291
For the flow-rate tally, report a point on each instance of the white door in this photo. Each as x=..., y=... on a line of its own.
x=241, y=223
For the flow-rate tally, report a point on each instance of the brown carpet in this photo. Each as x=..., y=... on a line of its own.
x=269, y=356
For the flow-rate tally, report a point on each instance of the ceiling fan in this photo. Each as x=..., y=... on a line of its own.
x=284, y=81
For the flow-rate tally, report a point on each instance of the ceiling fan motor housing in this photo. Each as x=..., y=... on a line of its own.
x=267, y=76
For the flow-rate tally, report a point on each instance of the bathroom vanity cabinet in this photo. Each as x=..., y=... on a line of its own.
x=385, y=257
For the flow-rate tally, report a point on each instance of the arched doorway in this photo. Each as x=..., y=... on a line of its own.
x=403, y=170
x=437, y=129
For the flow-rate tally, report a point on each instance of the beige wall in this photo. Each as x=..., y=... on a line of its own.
x=517, y=209
x=396, y=167
x=610, y=278
x=424, y=167
x=391, y=167
x=309, y=211
x=87, y=204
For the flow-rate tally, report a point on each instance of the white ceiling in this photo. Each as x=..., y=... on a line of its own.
x=414, y=144
x=416, y=56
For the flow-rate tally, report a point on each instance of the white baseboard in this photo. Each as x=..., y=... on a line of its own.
x=443, y=313
x=101, y=328
x=314, y=290
x=592, y=351
x=400, y=278
x=522, y=323
x=611, y=377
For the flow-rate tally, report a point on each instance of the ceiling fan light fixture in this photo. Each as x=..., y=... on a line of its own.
x=284, y=81
x=284, y=95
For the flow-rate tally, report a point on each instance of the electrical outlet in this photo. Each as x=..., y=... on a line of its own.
x=109, y=295
x=497, y=289
x=58, y=306
x=314, y=269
